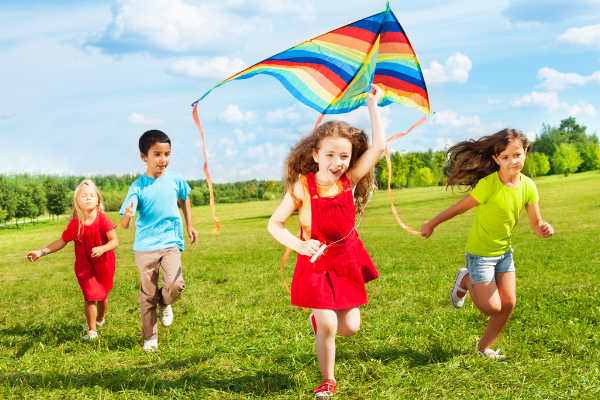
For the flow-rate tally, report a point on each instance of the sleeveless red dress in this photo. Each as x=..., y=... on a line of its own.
x=336, y=281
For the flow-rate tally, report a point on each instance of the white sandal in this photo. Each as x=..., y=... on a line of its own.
x=91, y=335
x=86, y=327
x=456, y=301
x=491, y=354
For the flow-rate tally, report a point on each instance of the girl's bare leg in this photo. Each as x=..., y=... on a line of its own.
x=348, y=321
x=327, y=324
x=506, y=284
x=102, y=306
x=496, y=300
x=91, y=313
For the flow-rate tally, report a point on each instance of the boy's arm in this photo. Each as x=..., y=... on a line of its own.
x=459, y=208
x=369, y=158
x=113, y=243
x=538, y=225
x=277, y=227
x=52, y=247
x=186, y=207
x=125, y=221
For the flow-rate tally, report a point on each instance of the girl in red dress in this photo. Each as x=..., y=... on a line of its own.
x=95, y=239
x=328, y=179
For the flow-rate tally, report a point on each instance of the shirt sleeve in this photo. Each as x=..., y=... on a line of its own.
x=70, y=233
x=183, y=189
x=106, y=224
x=481, y=193
x=533, y=196
x=132, y=194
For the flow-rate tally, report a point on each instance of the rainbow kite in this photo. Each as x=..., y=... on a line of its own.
x=333, y=73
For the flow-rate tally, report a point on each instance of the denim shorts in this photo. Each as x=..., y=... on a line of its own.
x=483, y=269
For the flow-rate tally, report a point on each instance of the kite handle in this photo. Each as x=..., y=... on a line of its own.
x=389, y=165
x=283, y=260
x=210, y=186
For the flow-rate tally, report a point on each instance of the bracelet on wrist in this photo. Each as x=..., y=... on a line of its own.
x=43, y=252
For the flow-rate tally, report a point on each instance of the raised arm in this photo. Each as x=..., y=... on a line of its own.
x=51, y=248
x=186, y=208
x=369, y=158
x=125, y=221
x=277, y=227
x=538, y=225
x=459, y=208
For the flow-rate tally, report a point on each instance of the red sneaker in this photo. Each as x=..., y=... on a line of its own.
x=313, y=323
x=325, y=389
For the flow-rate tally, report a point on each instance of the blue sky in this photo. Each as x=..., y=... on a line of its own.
x=80, y=81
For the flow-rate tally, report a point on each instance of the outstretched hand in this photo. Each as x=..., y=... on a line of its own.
x=546, y=229
x=375, y=94
x=426, y=230
x=129, y=211
x=34, y=255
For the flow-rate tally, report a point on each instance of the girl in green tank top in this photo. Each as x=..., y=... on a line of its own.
x=491, y=167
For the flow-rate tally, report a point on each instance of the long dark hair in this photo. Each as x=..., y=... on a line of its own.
x=301, y=161
x=469, y=161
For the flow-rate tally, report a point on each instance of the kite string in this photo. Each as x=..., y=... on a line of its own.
x=389, y=165
x=208, y=180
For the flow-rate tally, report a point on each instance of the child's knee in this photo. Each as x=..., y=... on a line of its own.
x=509, y=304
x=491, y=309
x=348, y=331
x=326, y=326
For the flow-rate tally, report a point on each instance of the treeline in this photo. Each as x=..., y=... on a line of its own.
x=562, y=149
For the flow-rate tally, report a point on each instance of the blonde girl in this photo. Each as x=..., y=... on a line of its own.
x=328, y=179
x=491, y=167
x=95, y=239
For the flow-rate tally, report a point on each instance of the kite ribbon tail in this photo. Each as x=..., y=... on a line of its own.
x=283, y=260
x=319, y=120
x=210, y=186
x=389, y=165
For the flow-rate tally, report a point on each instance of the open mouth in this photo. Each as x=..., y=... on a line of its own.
x=335, y=172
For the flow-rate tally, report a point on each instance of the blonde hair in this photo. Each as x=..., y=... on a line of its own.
x=301, y=161
x=78, y=212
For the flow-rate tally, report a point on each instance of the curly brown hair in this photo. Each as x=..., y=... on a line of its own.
x=469, y=161
x=301, y=161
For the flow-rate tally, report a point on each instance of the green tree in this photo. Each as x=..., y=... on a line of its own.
x=536, y=164
x=591, y=157
x=25, y=204
x=38, y=198
x=423, y=177
x=566, y=159
x=57, y=197
x=8, y=198
x=3, y=214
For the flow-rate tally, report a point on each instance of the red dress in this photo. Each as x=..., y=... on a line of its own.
x=337, y=279
x=95, y=275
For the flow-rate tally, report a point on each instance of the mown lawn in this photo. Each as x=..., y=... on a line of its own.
x=235, y=336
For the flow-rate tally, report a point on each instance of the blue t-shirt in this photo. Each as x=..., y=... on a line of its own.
x=159, y=222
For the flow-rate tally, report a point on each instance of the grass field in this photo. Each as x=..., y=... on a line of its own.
x=235, y=335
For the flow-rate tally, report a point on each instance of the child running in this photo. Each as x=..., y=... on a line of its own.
x=491, y=167
x=328, y=178
x=95, y=239
x=159, y=232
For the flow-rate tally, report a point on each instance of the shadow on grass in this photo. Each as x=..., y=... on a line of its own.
x=151, y=380
x=250, y=218
x=434, y=354
x=24, y=337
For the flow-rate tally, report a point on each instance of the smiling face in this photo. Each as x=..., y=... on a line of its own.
x=157, y=159
x=87, y=199
x=333, y=157
x=511, y=160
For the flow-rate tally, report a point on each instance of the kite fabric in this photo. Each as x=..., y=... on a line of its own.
x=333, y=73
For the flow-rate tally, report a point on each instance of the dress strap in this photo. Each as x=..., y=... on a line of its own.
x=346, y=184
x=312, y=185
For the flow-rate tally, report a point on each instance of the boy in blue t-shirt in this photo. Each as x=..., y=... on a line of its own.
x=159, y=232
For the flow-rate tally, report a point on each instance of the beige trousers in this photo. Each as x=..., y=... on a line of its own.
x=150, y=295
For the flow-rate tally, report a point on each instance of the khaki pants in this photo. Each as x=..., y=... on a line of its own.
x=150, y=295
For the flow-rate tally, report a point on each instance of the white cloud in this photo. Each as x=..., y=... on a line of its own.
x=226, y=142
x=288, y=116
x=6, y=115
x=173, y=26
x=494, y=101
x=361, y=119
x=256, y=153
x=555, y=80
x=549, y=102
x=197, y=143
x=303, y=10
x=584, y=38
x=275, y=152
x=456, y=70
x=217, y=67
x=450, y=122
x=242, y=138
x=531, y=136
x=245, y=172
x=229, y=153
x=261, y=167
x=140, y=119
x=233, y=115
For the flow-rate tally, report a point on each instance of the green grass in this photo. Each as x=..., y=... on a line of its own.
x=235, y=335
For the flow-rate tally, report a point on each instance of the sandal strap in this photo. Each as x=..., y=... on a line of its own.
x=459, y=289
